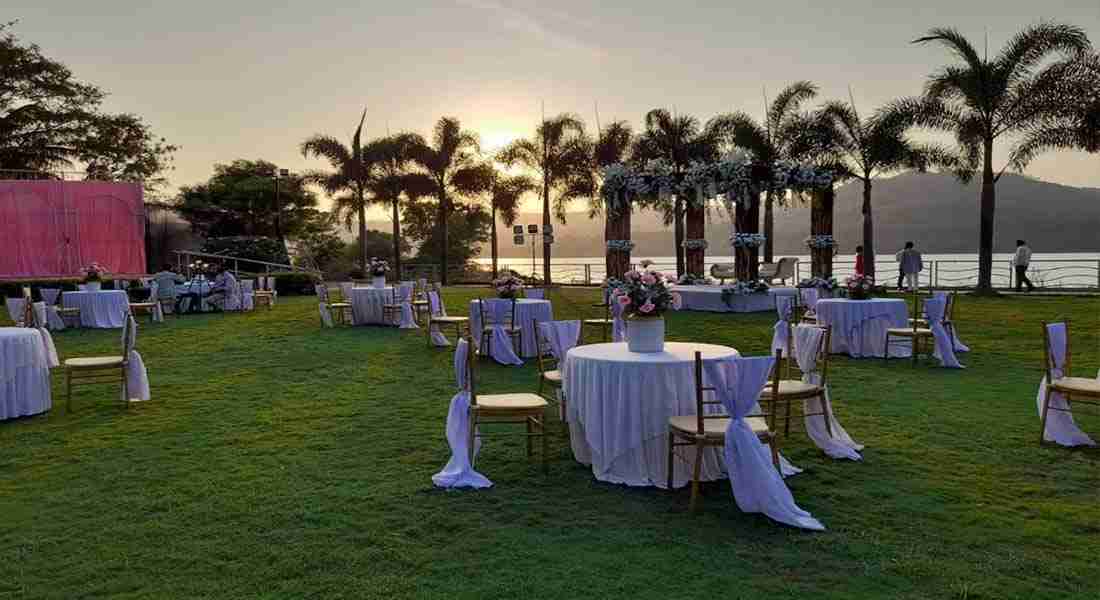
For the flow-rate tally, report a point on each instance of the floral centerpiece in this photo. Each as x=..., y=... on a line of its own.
x=508, y=286
x=620, y=245
x=820, y=283
x=93, y=276
x=378, y=268
x=820, y=242
x=742, y=288
x=643, y=296
x=694, y=279
x=859, y=287
x=699, y=244
x=747, y=240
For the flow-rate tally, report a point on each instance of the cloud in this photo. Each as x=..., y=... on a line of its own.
x=528, y=24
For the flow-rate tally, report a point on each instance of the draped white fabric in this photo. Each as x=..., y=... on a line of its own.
x=326, y=316
x=404, y=300
x=54, y=321
x=1061, y=427
x=367, y=303
x=535, y=293
x=345, y=290
x=807, y=341
x=24, y=373
x=248, y=294
x=859, y=326
x=528, y=311
x=459, y=472
x=16, y=308
x=497, y=316
x=709, y=298
x=809, y=297
x=959, y=346
x=435, y=305
x=562, y=336
x=39, y=313
x=105, y=309
x=934, y=308
x=232, y=299
x=137, y=378
x=618, y=323
x=49, y=295
x=757, y=487
x=784, y=306
x=154, y=297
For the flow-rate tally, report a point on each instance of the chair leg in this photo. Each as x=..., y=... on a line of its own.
x=1043, y=420
x=696, y=472
x=125, y=390
x=671, y=437
x=886, y=348
x=545, y=445
x=530, y=442
x=774, y=446
x=68, y=391
x=826, y=409
x=473, y=436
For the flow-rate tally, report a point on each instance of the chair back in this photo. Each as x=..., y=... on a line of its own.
x=50, y=295
x=553, y=340
x=247, y=286
x=435, y=304
x=535, y=293
x=1056, y=352
x=154, y=291
x=17, y=310
x=322, y=292
x=701, y=401
x=39, y=315
x=496, y=311
x=916, y=310
x=129, y=337
x=403, y=292
x=800, y=336
x=466, y=365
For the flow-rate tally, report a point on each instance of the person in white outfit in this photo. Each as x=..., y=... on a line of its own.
x=1020, y=261
x=910, y=265
x=224, y=289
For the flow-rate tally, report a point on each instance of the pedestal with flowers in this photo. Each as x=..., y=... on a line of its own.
x=93, y=277
x=643, y=297
x=377, y=268
x=508, y=286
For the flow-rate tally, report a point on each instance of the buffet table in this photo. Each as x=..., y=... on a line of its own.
x=709, y=298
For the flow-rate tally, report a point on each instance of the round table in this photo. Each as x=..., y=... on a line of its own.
x=105, y=309
x=859, y=326
x=366, y=305
x=619, y=403
x=197, y=290
x=528, y=310
x=24, y=373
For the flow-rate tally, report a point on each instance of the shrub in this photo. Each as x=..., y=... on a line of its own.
x=294, y=284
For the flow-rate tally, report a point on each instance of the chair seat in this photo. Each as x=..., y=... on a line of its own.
x=919, y=322
x=1078, y=385
x=909, y=332
x=714, y=428
x=94, y=362
x=420, y=302
x=263, y=293
x=552, y=376
x=793, y=387
x=149, y=305
x=69, y=311
x=598, y=321
x=450, y=319
x=510, y=402
x=339, y=305
x=511, y=330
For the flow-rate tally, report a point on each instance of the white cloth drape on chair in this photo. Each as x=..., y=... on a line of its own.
x=809, y=298
x=757, y=486
x=39, y=313
x=562, y=336
x=435, y=305
x=807, y=340
x=1061, y=427
x=784, y=305
x=959, y=346
x=535, y=293
x=49, y=295
x=16, y=308
x=326, y=316
x=404, y=300
x=618, y=323
x=459, y=472
x=497, y=312
x=154, y=297
x=137, y=378
x=248, y=295
x=934, y=309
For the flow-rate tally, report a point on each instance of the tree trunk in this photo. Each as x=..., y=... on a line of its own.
x=279, y=221
x=363, y=258
x=397, y=241
x=493, y=244
x=695, y=258
x=678, y=228
x=868, y=231
x=821, y=223
x=545, y=223
x=617, y=228
x=769, y=227
x=985, y=234
x=747, y=260
x=444, y=213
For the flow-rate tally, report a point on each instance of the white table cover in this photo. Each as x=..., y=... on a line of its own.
x=105, y=309
x=859, y=326
x=709, y=298
x=619, y=406
x=528, y=310
x=24, y=373
x=367, y=303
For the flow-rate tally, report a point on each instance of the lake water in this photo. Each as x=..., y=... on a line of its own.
x=1070, y=270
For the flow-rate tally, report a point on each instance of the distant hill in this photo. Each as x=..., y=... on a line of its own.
x=935, y=211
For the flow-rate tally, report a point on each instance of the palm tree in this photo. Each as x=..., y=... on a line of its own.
x=393, y=156
x=1077, y=125
x=350, y=178
x=772, y=141
x=559, y=153
x=866, y=149
x=612, y=146
x=504, y=197
x=680, y=140
x=450, y=170
x=981, y=100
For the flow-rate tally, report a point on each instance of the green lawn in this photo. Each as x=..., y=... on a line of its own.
x=279, y=460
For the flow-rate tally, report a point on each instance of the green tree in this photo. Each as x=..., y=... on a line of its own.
x=239, y=200
x=49, y=121
x=350, y=178
x=981, y=100
x=393, y=179
x=318, y=244
x=770, y=142
x=467, y=230
x=504, y=198
x=450, y=171
x=1074, y=126
x=559, y=153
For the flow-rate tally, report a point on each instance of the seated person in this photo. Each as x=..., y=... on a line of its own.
x=166, y=283
x=225, y=293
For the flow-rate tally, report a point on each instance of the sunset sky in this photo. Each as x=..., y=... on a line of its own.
x=251, y=79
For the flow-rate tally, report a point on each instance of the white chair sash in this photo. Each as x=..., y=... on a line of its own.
x=154, y=297
x=39, y=312
x=1061, y=427
x=784, y=305
x=435, y=305
x=807, y=342
x=562, y=336
x=500, y=343
x=934, y=308
x=618, y=323
x=809, y=297
x=50, y=295
x=404, y=300
x=757, y=487
x=137, y=378
x=248, y=294
x=326, y=315
x=16, y=310
x=459, y=472
x=535, y=293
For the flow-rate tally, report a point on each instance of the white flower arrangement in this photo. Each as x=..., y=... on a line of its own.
x=620, y=245
x=820, y=283
x=820, y=242
x=747, y=240
x=644, y=293
x=508, y=286
x=742, y=288
x=378, y=267
x=695, y=244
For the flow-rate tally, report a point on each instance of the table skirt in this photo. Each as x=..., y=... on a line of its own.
x=105, y=309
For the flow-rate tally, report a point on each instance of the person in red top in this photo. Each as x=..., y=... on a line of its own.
x=859, y=260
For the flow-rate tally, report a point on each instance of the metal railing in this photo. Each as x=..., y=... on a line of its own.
x=183, y=259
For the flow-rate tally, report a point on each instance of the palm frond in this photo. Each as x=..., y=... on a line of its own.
x=787, y=103
x=955, y=42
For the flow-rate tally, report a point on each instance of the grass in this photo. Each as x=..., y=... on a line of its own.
x=279, y=460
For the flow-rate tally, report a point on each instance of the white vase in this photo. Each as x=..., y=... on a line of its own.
x=646, y=334
x=378, y=282
x=93, y=286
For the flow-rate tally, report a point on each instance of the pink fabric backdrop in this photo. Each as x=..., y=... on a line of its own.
x=54, y=228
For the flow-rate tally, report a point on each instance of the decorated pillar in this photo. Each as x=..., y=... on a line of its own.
x=822, y=245
x=617, y=238
x=695, y=244
x=747, y=239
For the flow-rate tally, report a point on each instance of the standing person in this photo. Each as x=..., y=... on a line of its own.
x=901, y=272
x=911, y=265
x=1021, y=260
x=859, y=260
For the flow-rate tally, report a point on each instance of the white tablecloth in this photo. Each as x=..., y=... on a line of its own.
x=709, y=298
x=24, y=373
x=528, y=310
x=859, y=326
x=619, y=403
x=366, y=305
x=105, y=309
